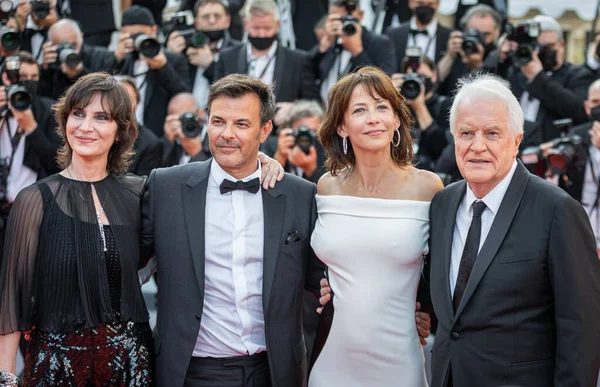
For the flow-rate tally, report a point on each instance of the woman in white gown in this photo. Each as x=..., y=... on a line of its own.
x=372, y=233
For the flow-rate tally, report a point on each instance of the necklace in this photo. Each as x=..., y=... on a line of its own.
x=98, y=214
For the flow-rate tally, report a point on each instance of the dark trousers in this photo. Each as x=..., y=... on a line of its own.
x=239, y=371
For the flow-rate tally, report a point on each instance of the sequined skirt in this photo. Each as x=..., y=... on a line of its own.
x=117, y=354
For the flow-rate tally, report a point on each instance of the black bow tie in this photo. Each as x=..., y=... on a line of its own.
x=251, y=186
x=32, y=32
x=417, y=32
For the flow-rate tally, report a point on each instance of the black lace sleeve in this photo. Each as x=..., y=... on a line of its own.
x=18, y=264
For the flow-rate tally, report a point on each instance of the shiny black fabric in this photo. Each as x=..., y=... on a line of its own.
x=54, y=272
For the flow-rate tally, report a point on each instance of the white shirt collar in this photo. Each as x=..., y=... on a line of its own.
x=270, y=53
x=431, y=27
x=218, y=174
x=494, y=198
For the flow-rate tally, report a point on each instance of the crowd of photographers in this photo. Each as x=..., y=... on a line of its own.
x=302, y=48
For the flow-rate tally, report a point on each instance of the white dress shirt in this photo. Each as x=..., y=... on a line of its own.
x=20, y=176
x=464, y=216
x=37, y=41
x=590, y=190
x=140, y=73
x=265, y=65
x=232, y=318
x=427, y=43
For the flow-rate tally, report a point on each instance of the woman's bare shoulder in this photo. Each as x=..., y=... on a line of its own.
x=427, y=184
x=329, y=184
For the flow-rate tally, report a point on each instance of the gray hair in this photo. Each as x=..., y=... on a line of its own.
x=66, y=23
x=594, y=86
x=261, y=8
x=481, y=10
x=487, y=87
x=304, y=109
x=548, y=23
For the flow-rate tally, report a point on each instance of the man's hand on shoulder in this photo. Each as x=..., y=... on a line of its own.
x=272, y=171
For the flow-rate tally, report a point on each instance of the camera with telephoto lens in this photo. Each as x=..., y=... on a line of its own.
x=349, y=25
x=305, y=138
x=411, y=87
x=191, y=125
x=558, y=156
x=145, y=45
x=183, y=22
x=471, y=39
x=67, y=54
x=9, y=39
x=40, y=9
x=525, y=35
x=20, y=99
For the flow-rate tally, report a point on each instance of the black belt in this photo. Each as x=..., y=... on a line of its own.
x=235, y=361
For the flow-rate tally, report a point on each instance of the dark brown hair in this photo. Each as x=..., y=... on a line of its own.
x=116, y=100
x=239, y=85
x=375, y=82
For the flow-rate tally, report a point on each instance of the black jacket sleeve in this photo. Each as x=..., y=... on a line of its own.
x=44, y=140
x=381, y=54
x=175, y=75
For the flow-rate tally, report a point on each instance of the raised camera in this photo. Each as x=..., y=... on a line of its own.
x=349, y=25
x=146, y=45
x=40, y=9
x=471, y=39
x=18, y=96
x=525, y=35
x=413, y=58
x=305, y=138
x=6, y=9
x=67, y=54
x=9, y=39
x=191, y=126
x=411, y=87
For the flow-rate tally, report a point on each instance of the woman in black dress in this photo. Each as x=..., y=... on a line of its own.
x=69, y=274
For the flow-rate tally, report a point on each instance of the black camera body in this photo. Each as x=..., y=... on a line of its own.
x=191, y=125
x=411, y=87
x=349, y=25
x=67, y=54
x=10, y=39
x=525, y=35
x=305, y=138
x=20, y=99
x=40, y=9
x=183, y=22
x=145, y=45
x=471, y=39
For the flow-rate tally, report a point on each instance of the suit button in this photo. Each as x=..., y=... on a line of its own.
x=198, y=316
x=455, y=336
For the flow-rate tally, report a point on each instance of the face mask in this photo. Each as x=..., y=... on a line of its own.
x=548, y=59
x=31, y=86
x=424, y=14
x=262, y=44
x=214, y=36
x=595, y=114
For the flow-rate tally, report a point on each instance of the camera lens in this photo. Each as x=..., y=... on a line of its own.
x=10, y=40
x=19, y=98
x=190, y=125
x=198, y=40
x=305, y=138
x=147, y=46
x=69, y=57
x=349, y=25
x=411, y=88
x=469, y=46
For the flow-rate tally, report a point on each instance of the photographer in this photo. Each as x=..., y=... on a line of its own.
x=467, y=51
x=28, y=139
x=429, y=109
x=42, y=15
x=296, y=146
x=347, y=45
x=592, y=60
x=183, y=132
x=212, y=19
x=159, y=74
x=66, y=58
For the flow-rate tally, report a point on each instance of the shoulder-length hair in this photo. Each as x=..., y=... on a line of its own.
x=115, y=99
x=375, y=82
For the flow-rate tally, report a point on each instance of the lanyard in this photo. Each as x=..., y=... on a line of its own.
x=431, y=39
x=14, y=140
x=262, y=74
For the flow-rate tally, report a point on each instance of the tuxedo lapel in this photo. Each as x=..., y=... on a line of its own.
x=497, y=233
x=279, y=73
x=194, y=201
x=450, y=223
x=274, y=211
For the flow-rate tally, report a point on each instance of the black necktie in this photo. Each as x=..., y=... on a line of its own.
x=469, y=254
x=417, y=32
x=251, y=186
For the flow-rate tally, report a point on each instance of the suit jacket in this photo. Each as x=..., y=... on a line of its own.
x=209, y=73
x=148, y=152
x=393, y=7
x=161, y=86
x=173, y=222
x=530, y=310
x=378, y=50
x=399, y=35
x=293, y=77
x=172, y=152
x=94, y=16
x=305, y=15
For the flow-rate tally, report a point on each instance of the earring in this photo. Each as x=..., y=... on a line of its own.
x=345, y=144
x=397, y=143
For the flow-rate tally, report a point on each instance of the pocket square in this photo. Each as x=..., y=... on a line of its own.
x=292, y=237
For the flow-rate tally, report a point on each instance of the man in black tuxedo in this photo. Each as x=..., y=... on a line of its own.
x=422, y=31
x=515, y=278
x=213, y=19
x=263, y=57
x=158, y=78
x=339, y=52
x=233, y=258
